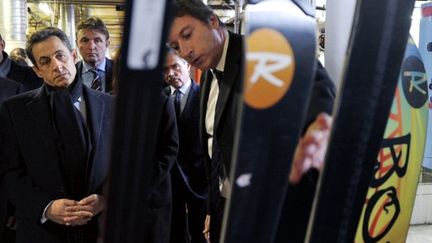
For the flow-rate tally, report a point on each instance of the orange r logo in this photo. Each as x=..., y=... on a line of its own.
x=270, y=68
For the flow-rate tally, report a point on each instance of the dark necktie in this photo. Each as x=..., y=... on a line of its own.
x=177, y=102
x=97, y=82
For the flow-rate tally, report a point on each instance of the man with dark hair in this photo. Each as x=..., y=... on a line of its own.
x=200, y=38
x=188, y=176
x=93, y=40
x=18, y=73
x=54, y=147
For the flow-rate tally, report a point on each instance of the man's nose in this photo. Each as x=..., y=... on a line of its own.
x=91, y=44
x=57, y=65
x=170, y=76
x=185, y=52
x=171, y=72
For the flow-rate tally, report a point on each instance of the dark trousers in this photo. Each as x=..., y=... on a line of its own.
x=188, y=213
x=216, y=216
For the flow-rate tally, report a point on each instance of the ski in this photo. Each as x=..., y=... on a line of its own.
x=375, y=53
x=279, y=66
x=138, y=110
x=390, y=198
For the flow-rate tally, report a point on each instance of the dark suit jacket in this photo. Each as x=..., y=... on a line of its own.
x=108, y=73
x=30, y=162
x=157, y=226
x=227, y=105
x=7, y=88
x=191, y=155
x=25, y=76
x=188, y=174
x=229, y=102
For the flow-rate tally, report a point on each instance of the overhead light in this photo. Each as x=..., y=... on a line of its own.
x=44, y=7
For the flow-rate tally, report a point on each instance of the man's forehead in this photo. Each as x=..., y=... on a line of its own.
x=41, y=50
x=92, y=32
x=182, y=23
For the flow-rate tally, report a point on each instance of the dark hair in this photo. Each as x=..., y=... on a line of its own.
x=1, y=38
x=93, y=23
x=170, y=50
x=18, y=52
x=42, y=35
x=194, y=8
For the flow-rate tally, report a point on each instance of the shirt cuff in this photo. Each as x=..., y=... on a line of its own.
x=43, y=218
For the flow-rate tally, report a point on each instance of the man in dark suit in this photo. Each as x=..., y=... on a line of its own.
x=8, y=88
x=21, y=74
x=188, y=174
x=93, y=40
x=157, y=225
x=54, y=147
x=202, y=39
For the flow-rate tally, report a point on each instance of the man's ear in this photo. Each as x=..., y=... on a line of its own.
x=108, y=42
x=74, y=55
x=214, y=21
x=2, y=45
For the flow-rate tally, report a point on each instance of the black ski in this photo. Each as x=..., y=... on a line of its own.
x=138, y=111
x=390, y=199
x=375, y=53
x=280, y=59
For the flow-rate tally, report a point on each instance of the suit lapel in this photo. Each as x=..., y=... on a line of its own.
x=108, y=74
x=95, y=110
x=232, y=69
x=95, y=114
x=204, y=94
x=188, y=109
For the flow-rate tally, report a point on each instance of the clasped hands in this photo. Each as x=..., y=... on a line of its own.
x=71, y=213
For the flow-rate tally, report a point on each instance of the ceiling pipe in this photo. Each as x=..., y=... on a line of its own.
x=238, y=15
x=67, y=22
x=13, y=24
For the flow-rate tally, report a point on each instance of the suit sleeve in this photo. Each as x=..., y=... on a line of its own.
x=167, y=142
x=14, y=175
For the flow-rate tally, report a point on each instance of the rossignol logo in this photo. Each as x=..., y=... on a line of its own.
x=270, y=68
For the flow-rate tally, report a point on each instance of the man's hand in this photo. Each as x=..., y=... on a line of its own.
x=310, y=150
x=206, y=230
x=94, y=203
x=62, y=211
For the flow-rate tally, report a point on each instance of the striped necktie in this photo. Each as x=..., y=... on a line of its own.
x=97, y=82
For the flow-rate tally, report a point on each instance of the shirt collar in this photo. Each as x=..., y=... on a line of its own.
x=87, y=67
x=221, y=65
x=184, y=89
